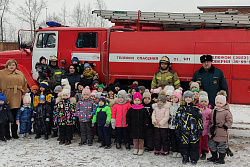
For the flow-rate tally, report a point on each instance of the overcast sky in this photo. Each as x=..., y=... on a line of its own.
x=134, y=5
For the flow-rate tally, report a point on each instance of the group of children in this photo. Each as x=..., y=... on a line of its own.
x=159, y=120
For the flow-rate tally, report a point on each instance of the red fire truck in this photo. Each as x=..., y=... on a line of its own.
x=132, y=48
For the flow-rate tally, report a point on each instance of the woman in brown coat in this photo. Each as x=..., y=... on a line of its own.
x=14, y=85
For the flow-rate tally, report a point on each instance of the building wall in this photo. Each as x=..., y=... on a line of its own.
x=214, y=10
x=8, y=46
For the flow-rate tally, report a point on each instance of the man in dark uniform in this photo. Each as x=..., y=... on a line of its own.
x=212, y=79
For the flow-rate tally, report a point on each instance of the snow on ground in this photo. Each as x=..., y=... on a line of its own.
x=40, y=153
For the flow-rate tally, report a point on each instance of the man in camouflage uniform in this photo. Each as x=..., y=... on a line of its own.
x=165, y=75
x=57, y=72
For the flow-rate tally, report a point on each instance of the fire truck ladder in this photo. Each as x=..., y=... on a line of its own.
x=222, y=19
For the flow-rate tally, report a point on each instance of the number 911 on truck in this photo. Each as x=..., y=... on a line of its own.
x=132, y=47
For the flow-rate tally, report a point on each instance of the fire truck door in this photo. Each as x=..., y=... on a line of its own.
x=46, y=44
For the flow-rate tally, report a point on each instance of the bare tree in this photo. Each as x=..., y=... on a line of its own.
x=101, y=5
x=30, y=11
x=4, y=4
x=64, y=14
x=54, y=17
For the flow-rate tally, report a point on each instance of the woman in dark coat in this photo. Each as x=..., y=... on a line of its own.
x=72, y=76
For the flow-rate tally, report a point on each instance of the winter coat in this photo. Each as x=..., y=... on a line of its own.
x=137, y=121
x=89, y=74
x=84, y=110
x=223, y=117
x=47, y=94
x=41, y=117
x=212, y=81
x=78, y=95
x=73, y=78
x=119, y=114
x=43, y=71
x=57, y=75
x=64, y=112
x=102, y=114
x=5, y=115
x=206, y=114
x=111, y=100
x=165, y=77
x=161, y=115
x=149, y=110
x=13, y=85
x=24, y=114
x=189, y=122
x=172, y=111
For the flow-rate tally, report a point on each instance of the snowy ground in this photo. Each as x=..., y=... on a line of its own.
x=40, y=152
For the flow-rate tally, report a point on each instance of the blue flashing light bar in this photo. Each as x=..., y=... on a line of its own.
x=53, y=24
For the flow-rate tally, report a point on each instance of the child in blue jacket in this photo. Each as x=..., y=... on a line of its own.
x=23, y=117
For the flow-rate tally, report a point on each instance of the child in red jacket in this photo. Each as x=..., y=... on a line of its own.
x=118, y=120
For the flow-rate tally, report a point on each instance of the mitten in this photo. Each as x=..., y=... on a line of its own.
x=106, y=124
x=95, y=77
x=113, y=123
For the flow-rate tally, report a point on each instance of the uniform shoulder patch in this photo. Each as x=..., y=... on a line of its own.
x=171, y=71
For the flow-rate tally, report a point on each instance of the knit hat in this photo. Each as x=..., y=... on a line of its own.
x=195, y=90
x=168, y=87
x=101, y=85
x=44, y=85
x=162, y=97
x=154, y=95
x=177, y=94
x=86, y=91
x=64, y=82
x=80, y=83
x=117, y=84
x=111, y=87
x=194, y=84
x=103, y=98
x=169, y=92
x=135, y=84
x=42, y=58
x=2, y=97
x=98, y=95
x=157, y=90
x=137, y=95
x=204, y=93
x=203, y=98
x=27, y=98
x=86, y=65
x=58, y=88
x=122, y=94
x=141, y=88
x=136, y=89
x=75, y=59
x=125, y=87
x=66, y=92
x=221, y=99
x=188, y=93
x=94, y=82
x=42, y=97
x=204, y=58
x=34, y=87
x=146, y=94
x=93, y=93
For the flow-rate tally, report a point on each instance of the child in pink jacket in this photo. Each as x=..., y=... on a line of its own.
x=206, y=113
x=160, y=119
x=118, y=120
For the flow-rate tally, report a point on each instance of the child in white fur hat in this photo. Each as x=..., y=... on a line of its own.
x=23, y=117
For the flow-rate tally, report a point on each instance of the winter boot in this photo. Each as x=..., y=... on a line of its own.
x=46, y=136
x=102, y=144
x=37, y=136
x=147, y=149
x=61, y=142
x=221, y=160
x=27, y=135
x=140, y=152
x=118, y=146
x=127, y=145
x=203, y=155
x=3, y=139
x=214, y=157
x=157, y=153
x=107, y=147
x=164, y=153
x=21, y=137
x=68, y=142
x=135, y=151
x=193, y=162
x=185, y=159
x=179, y=155
x=90, y=142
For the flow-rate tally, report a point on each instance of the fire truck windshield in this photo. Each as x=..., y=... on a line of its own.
x=46, y=40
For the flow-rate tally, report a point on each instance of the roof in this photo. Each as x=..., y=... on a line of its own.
x=72, y=29
x=226, y=7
